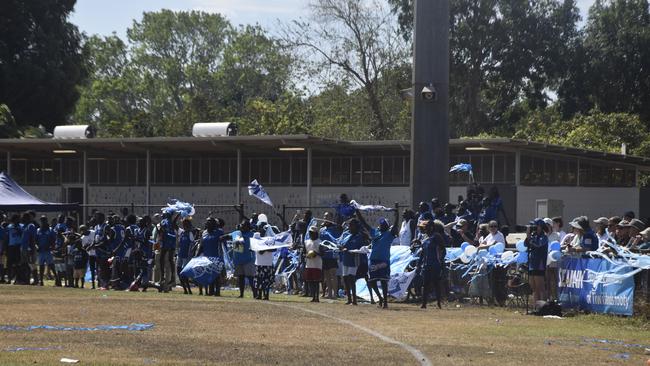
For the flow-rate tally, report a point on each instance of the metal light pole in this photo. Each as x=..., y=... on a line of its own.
x=430, y=123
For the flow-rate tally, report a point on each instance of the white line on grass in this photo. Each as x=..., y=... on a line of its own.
x=422, y=359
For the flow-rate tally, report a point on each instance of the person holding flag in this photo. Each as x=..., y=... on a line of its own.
x=350, y=240
x=211, y=248
x=379, y=268
x=244, y=258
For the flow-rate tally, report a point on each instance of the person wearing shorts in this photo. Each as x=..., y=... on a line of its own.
x=351, y=239
x=80, y=263
x=244, y=259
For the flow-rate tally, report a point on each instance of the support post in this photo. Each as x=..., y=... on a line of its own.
x=85, y=187
x=238, y=176
x=309, y=165
x=9, y=163
x=517, y=168
x=430, y=126
x=148, y=181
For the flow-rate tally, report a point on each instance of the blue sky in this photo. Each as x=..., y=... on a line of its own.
x=104, y=17
x=107, y=16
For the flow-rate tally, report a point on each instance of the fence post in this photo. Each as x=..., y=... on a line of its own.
x=284, y=217
x=241, y=212
x=132, y=208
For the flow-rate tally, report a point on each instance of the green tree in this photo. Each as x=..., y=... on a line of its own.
x=502, y=54
x=8, y=128
x=596, y=131
x=355, y=44
x=178, y=68
x=611, y=66
x=40, y=61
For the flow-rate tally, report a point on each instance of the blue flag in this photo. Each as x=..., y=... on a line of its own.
x=462, y=167
x=204, y=270
x=256, y=189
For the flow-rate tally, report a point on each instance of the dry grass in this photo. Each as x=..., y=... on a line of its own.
x=199, y=330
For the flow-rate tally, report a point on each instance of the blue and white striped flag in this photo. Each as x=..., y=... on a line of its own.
x=256, y=189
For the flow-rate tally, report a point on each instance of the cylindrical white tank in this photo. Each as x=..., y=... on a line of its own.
x=74, y=132
x=214, y=129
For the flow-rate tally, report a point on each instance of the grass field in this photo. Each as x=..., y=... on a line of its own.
x=226, y=330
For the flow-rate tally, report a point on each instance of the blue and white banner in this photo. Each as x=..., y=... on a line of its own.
x=360, y=207
x=582, y=285
x=203, y=270
x=400, y=280
x=281, y=240
x=256, y=189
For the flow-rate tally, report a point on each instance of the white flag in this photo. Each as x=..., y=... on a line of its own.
x=281, y=240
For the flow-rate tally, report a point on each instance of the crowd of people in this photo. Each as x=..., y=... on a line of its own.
x=126, y=252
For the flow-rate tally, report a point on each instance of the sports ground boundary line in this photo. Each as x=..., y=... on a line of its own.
x=419, y=356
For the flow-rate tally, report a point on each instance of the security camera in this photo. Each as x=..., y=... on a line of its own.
x=429, y=93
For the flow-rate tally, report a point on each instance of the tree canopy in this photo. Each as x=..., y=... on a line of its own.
x=41, y=62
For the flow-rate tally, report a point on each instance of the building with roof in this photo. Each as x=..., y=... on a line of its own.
x=307, y=171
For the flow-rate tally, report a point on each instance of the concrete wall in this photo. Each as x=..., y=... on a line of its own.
x=592, y=202
x=46, y=193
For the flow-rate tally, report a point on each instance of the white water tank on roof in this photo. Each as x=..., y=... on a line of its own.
x=74, y=132
x=214, y=129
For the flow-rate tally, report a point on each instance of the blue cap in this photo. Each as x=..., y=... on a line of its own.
x=538, y=222
x=382, y=221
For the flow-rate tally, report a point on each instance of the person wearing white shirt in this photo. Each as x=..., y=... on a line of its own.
x=601, y=231
x=494, y=236
x=313, y=263
x=264, y=273
x=558, y=223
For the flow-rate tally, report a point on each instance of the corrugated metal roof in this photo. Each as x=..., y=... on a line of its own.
x=192, y=146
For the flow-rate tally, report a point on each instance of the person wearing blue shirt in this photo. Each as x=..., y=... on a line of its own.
x=329, y=232
x=244, y=258
x=211, y=247
x=589, y=240
x=45, y=244
x=344, y=209
x=351, y=239
x=118, y=246
x=59, y=229
x=167, y=233
x=28, y=248
x=102, y=251
x=448, y=215
x=431, y=259
x=537, y=243
x=185, y=243
x=379, y=267
x=15, y=241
